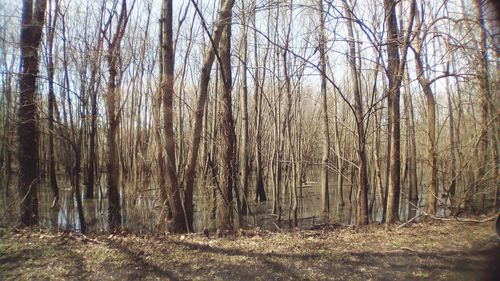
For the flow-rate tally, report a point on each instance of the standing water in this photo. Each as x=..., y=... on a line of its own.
x=142, y=210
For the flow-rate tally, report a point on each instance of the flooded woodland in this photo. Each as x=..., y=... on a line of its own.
x=223, y=118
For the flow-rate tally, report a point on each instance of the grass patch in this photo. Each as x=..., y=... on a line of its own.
x=432, y=250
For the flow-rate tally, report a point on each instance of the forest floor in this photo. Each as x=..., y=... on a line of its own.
x=434, y=250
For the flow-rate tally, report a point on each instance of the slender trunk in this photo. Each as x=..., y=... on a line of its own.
x=260, y=192
x=484, y=89
x=244, y=149
x=432, y=189
x=325, y=197
x=76, y=172
x=288, y=130
x=92, y=148
x=412, y=150
x=114, y=115
x=362, y=207
x=51, y=101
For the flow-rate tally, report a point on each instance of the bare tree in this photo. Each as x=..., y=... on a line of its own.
x=325, y=196
x=33, y=17
x=362, y=208
x=394, y=74
x=170, y=191
x=113, y=110
x=190, y=171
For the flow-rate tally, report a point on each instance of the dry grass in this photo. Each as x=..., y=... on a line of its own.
x=432, y=250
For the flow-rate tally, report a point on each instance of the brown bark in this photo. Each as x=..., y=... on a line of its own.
x=171, y=191
x=244, y=149
x=412, y=150
x=325, y=195
x=113, y=111
x=227, y=136
x=394, y=75
x=485, y=96
x=51, y=100
x=432, y=189
x=260, y=192
x=362, y=206
x=190, y=171
x=27, y=129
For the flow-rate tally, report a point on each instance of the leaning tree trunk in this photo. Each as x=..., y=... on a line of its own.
x=190, y=171
x=27, y=130
x=432, y=189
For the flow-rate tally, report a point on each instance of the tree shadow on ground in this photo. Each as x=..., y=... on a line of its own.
x=139, y=267
x=479, y=264
x=71, y=265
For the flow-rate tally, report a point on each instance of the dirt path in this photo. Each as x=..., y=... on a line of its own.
x=433, y=251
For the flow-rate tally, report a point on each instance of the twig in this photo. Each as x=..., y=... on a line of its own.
x=407, y=249
x=92, y=240
x=424, y=213
x=414, y=218
x=277, y=227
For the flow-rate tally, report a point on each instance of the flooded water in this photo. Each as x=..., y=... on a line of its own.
x=141, y=211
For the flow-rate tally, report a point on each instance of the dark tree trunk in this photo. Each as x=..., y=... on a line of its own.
x=170, y=190
x=113, y=115
x=92, y=149
x=394, y=74
x=227, y=136
x=244, y=149
x=51, y=102
x=27, y=129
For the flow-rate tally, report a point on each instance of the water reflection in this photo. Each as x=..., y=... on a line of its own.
x=141, y=210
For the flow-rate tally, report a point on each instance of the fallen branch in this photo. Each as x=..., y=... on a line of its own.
x=85, y=238
x=407, y=249
x=414, y=218
x=424, y=213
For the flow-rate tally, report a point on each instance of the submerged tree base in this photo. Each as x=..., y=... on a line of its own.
x=432, y=250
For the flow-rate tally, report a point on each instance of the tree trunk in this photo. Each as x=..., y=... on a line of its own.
x=260, y=192
x=27, y=129
x=394, y=115
x=51, y=101
x=432, y=190
x=113, y=114
x=412, y=150
x=325, y=196
x=244, y=149
x=172, y=193
x=484, y=91
x=228, y=136
x=190, y=171
x=362, y=207
x=394, y=75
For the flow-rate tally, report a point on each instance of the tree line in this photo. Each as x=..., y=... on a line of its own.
x=394, y=103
